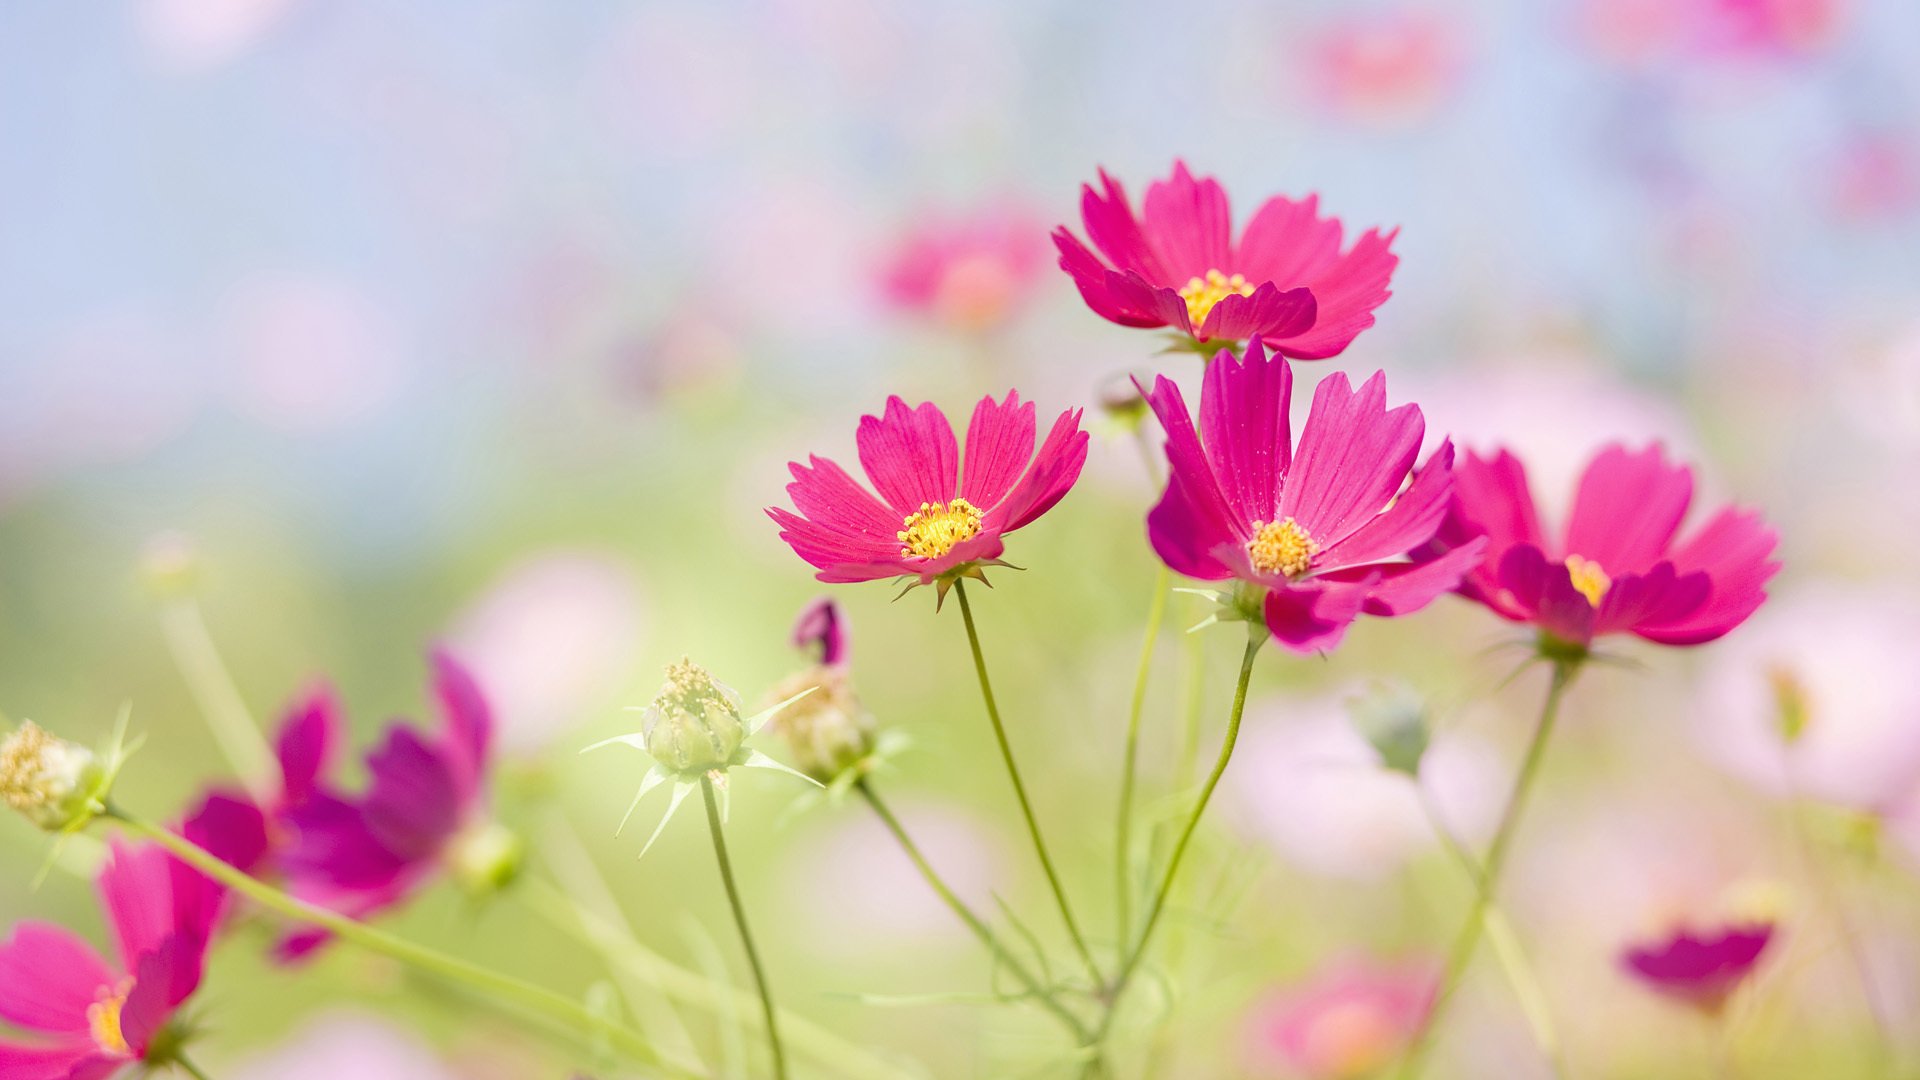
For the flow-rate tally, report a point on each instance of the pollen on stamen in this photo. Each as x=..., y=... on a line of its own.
x=936, y=528
x=1281, y=547
x=103, y=1019
x=1589, y=580
x=1201, y=294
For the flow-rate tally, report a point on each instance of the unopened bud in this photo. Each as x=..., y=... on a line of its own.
x=827, y=731
x=1121, y=400
x=55, y=784
x=694, y=725
x=485, y=858
x=1394, y=723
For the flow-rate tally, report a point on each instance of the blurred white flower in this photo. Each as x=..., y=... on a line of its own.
x=1819, y=695
x=551, y=638
x=346, y=1044
x=312, y=353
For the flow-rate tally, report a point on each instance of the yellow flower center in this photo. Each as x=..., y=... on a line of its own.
x=103, y=1018
x=1281, y=547
x=1588, y=579
x=1202, y=293
x=935, y=528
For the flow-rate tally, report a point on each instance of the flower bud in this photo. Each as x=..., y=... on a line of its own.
x=1394, y=723
x=485, y=857
x=1121, y=399
x=694, y=725
x=56, y=784
x=828, y=731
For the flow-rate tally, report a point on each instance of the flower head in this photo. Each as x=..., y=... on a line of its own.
x=1700, y=968
x=1619, y=566
x=824, y=725
x=1317, y=535
x=971, y=273
x=1178, y=265
x=938, y=517
x=98, y=1015
x=1347, y=1021
x=55, y=784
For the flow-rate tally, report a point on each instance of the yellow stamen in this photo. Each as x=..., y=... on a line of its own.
x=935, y=528
x=1281, y=547
x=1202, y=293
x=103, y=1018
x=1588, y=579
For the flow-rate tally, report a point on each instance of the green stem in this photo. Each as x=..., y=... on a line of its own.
x=1256, y=636
x=746, y=936
x=1123, y=842
x=190, y=1068
x=1564, y=671
x=524, y=994
x=1020, y=788
x=213, y=690
x=1001, y=954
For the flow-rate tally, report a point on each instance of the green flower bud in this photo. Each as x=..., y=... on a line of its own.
x=694, y=725
x=1394, y=723
x=485, y=858
x=55, y=784
x=827, y=731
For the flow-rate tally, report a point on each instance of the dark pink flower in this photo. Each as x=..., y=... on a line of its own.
x=1285, y=280
x=1618, y=568
x=937, y=516
x=1323, y=530
x=98, y=1015
x=1349, y=1020
x=1702, y=968
x=972, y=273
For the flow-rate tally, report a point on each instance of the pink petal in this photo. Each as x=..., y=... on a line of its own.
x=1189, y=225
x=1244, y=422
x=48, y=977
x=1124, y=298
x=834, y=503
x=1347, y=293
x=984, y=545
x=413, y=803
x=1114, y=230
x=1354, y=454
x=309, y=740
x=1404, y=588
x=1314, y=616
x=1193, y=517
x=60, y=1062
x=468, y=725
x=1287, y=242
x=1657, y=596
x=837, y=557
x=1545, y=592
x=230, y=826
x=910, y=455
x=1490, y=499
x=1409, y=523
x=1627, y=509
x=999, y=446
x=1735, y=550
x=136, y=891
x=1053, y=473
x=166, y=977
x=1268, y=312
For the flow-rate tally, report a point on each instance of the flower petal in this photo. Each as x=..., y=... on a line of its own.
x=1244, y=423
x=136, y=892
x=1313, y=616
x=999, y=446
x=1116, y=232
x=1053, y=473
x=468, y=725
x=1544, y=592
x=1735, y=550
x=413, y=803
x=66, y=1061
x=1404, y=588
x=1627, y=509
x=1125, y=298
x=48, y=977
x=1193, y=516
x=1347, y=292
x=1287, y=242
x=1189, y=225
x=309, y=740
x=859, y=525
x=1659, y=596
x=1408, y=524
x=1267, y=312
x=910, y=455
x=1354, y=454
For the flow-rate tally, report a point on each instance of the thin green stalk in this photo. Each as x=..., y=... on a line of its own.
x=1003, y=956
x=213, y=690
x=746, y=936
x=1123, y=830
x=190, y=1068
x=1256, y=636
x=1506, y=944
x=1564, y=671
x=506, y=987
x=1020, y=788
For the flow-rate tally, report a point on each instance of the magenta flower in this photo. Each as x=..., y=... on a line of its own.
x=1348, y=1020
x=1322, y=531
x=252, y=837
x=937, y=518
x=821, y=630
x=1285, y=281
x=98, y=1016
x=972, y=273
x=1618, y=568
x=1701, y=969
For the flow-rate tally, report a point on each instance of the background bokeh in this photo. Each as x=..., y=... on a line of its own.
x=494, y=323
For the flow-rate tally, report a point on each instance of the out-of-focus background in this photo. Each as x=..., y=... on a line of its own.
x=494, y=323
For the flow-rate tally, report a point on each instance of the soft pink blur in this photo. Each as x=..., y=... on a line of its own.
x=970, y=272
x=1349, y=1019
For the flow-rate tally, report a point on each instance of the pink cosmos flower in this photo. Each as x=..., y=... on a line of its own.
x=1618, y=567
x=937, y=517
x=971, y=273
x=1701, y=969
x=1285, y=281
x=1349, y=1020
x=1386, y=68
x=1322, y=530
x=99, y=1016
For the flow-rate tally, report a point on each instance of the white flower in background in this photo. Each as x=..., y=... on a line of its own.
x=347, y=1044
x=850, y=885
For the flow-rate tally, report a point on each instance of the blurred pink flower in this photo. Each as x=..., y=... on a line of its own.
x=194, y=35
x=552, y=637
x=1700, y=968
x=1384, y=68
x=1820, y=696
x=347, y=1044
x=312, y=354
x=970, y=273
x=1875, y=176
x=1348, y=1020
x=1178, y=265
x=1654, y=31
x=853, y=888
